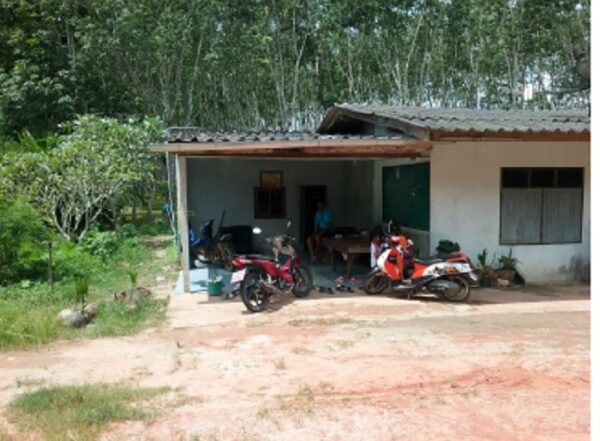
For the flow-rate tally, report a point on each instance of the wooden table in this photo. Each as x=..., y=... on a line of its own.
x=351, y=246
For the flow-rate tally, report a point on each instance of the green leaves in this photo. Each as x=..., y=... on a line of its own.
x=91, y=168
x=231, y=65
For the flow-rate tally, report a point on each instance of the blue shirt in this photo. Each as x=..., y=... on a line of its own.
x=324, y=219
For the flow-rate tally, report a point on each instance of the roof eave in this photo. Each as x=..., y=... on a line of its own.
x=377, y=148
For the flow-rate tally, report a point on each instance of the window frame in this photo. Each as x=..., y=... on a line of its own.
x=269, y=214
x=530, y=171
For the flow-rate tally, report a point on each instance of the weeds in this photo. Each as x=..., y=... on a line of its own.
x=79, y=412
x=28, y=313
x=330, y=321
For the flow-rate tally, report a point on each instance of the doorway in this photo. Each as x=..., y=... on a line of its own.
x=309, y=197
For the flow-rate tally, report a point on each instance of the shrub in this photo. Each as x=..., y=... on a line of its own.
x=101, y=243
x=128, y=231
x=447, y=247
x=157, y=227
x=23, y=236
x=73, y=262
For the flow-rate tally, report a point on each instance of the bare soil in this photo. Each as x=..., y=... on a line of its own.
x=510, y=365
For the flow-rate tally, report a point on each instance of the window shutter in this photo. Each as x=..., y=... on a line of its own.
x=520, y=215
x=562, y=215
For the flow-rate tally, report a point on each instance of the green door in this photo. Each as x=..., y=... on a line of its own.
x=406, y=195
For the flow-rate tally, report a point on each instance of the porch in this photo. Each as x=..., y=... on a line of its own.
x=355, y=175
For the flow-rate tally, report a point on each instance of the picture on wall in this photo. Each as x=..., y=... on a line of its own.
x=271, y=178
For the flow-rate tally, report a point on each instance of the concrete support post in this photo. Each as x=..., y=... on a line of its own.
x=182, y=220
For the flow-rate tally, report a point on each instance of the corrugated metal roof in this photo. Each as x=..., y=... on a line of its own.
x=197, y=135
x=474, y=120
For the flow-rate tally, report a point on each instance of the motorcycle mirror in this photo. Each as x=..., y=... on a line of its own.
x=256, y=230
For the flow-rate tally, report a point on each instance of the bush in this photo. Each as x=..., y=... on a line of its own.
x=128, y=231
x=157, y=227
x=23, y=236
x=447, y=247
x=102, y=244
x=73, y=262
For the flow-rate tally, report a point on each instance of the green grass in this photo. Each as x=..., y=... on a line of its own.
x=28, y=314
x=80, y=412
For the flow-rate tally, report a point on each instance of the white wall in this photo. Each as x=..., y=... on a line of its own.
x=465, y=202
x=216, y=184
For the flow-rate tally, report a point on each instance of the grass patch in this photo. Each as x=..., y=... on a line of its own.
x=80, y=412
x=329, y=321
x=28, y=311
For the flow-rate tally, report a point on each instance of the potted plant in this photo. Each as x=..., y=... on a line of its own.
x=507, y=267
x=485, y=272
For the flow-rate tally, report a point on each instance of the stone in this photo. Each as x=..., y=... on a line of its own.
x=132, y=307
x=72, y=318
x=65, y=315
x=503, y=283
x=90, y=310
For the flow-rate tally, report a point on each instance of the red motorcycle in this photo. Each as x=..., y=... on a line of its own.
x=260, y=277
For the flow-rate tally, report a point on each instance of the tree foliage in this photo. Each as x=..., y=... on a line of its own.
x=22, y=240
x=279, y=63
x=92, y=169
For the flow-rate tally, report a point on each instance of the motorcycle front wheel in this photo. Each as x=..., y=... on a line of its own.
x=303, y=282
x=376, y=283
x=251, y=291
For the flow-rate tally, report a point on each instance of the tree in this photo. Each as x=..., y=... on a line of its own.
x=278, y=64
x=89, y=172
x=22, y=240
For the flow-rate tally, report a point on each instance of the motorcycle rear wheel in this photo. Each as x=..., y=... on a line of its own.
x=303, y=282
x=463, y=294
x=227, y=255
x=376, y=283
x=252, y=293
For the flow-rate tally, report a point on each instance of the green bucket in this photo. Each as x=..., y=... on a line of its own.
x=215, y=287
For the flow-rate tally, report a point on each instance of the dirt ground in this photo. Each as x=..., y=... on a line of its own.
x=511, y=365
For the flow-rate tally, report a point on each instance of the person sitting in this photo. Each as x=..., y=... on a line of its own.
x=323, y=228
x=376, y=243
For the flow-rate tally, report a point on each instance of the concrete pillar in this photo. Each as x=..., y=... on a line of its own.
x=182, y=220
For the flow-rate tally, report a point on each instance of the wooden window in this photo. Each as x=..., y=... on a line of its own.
x=541, y=205
x=269, y=203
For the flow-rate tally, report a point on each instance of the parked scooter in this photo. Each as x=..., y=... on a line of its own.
x=207, y=250
x=260, y=277
x=450, y=277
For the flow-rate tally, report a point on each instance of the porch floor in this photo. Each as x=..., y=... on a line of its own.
x=323, y=276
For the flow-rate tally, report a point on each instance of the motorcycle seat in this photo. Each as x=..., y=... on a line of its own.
x=261, y=257
x=429, y=260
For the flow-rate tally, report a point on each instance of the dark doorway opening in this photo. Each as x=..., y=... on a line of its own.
x=309, y=197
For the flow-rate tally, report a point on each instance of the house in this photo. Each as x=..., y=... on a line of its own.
x=490, y=179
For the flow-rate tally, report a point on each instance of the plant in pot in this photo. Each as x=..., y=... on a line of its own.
x=507, y=267
x=485, y=272
x=447, y=247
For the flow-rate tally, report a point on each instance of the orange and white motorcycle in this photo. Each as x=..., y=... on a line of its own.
x=450, y=277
